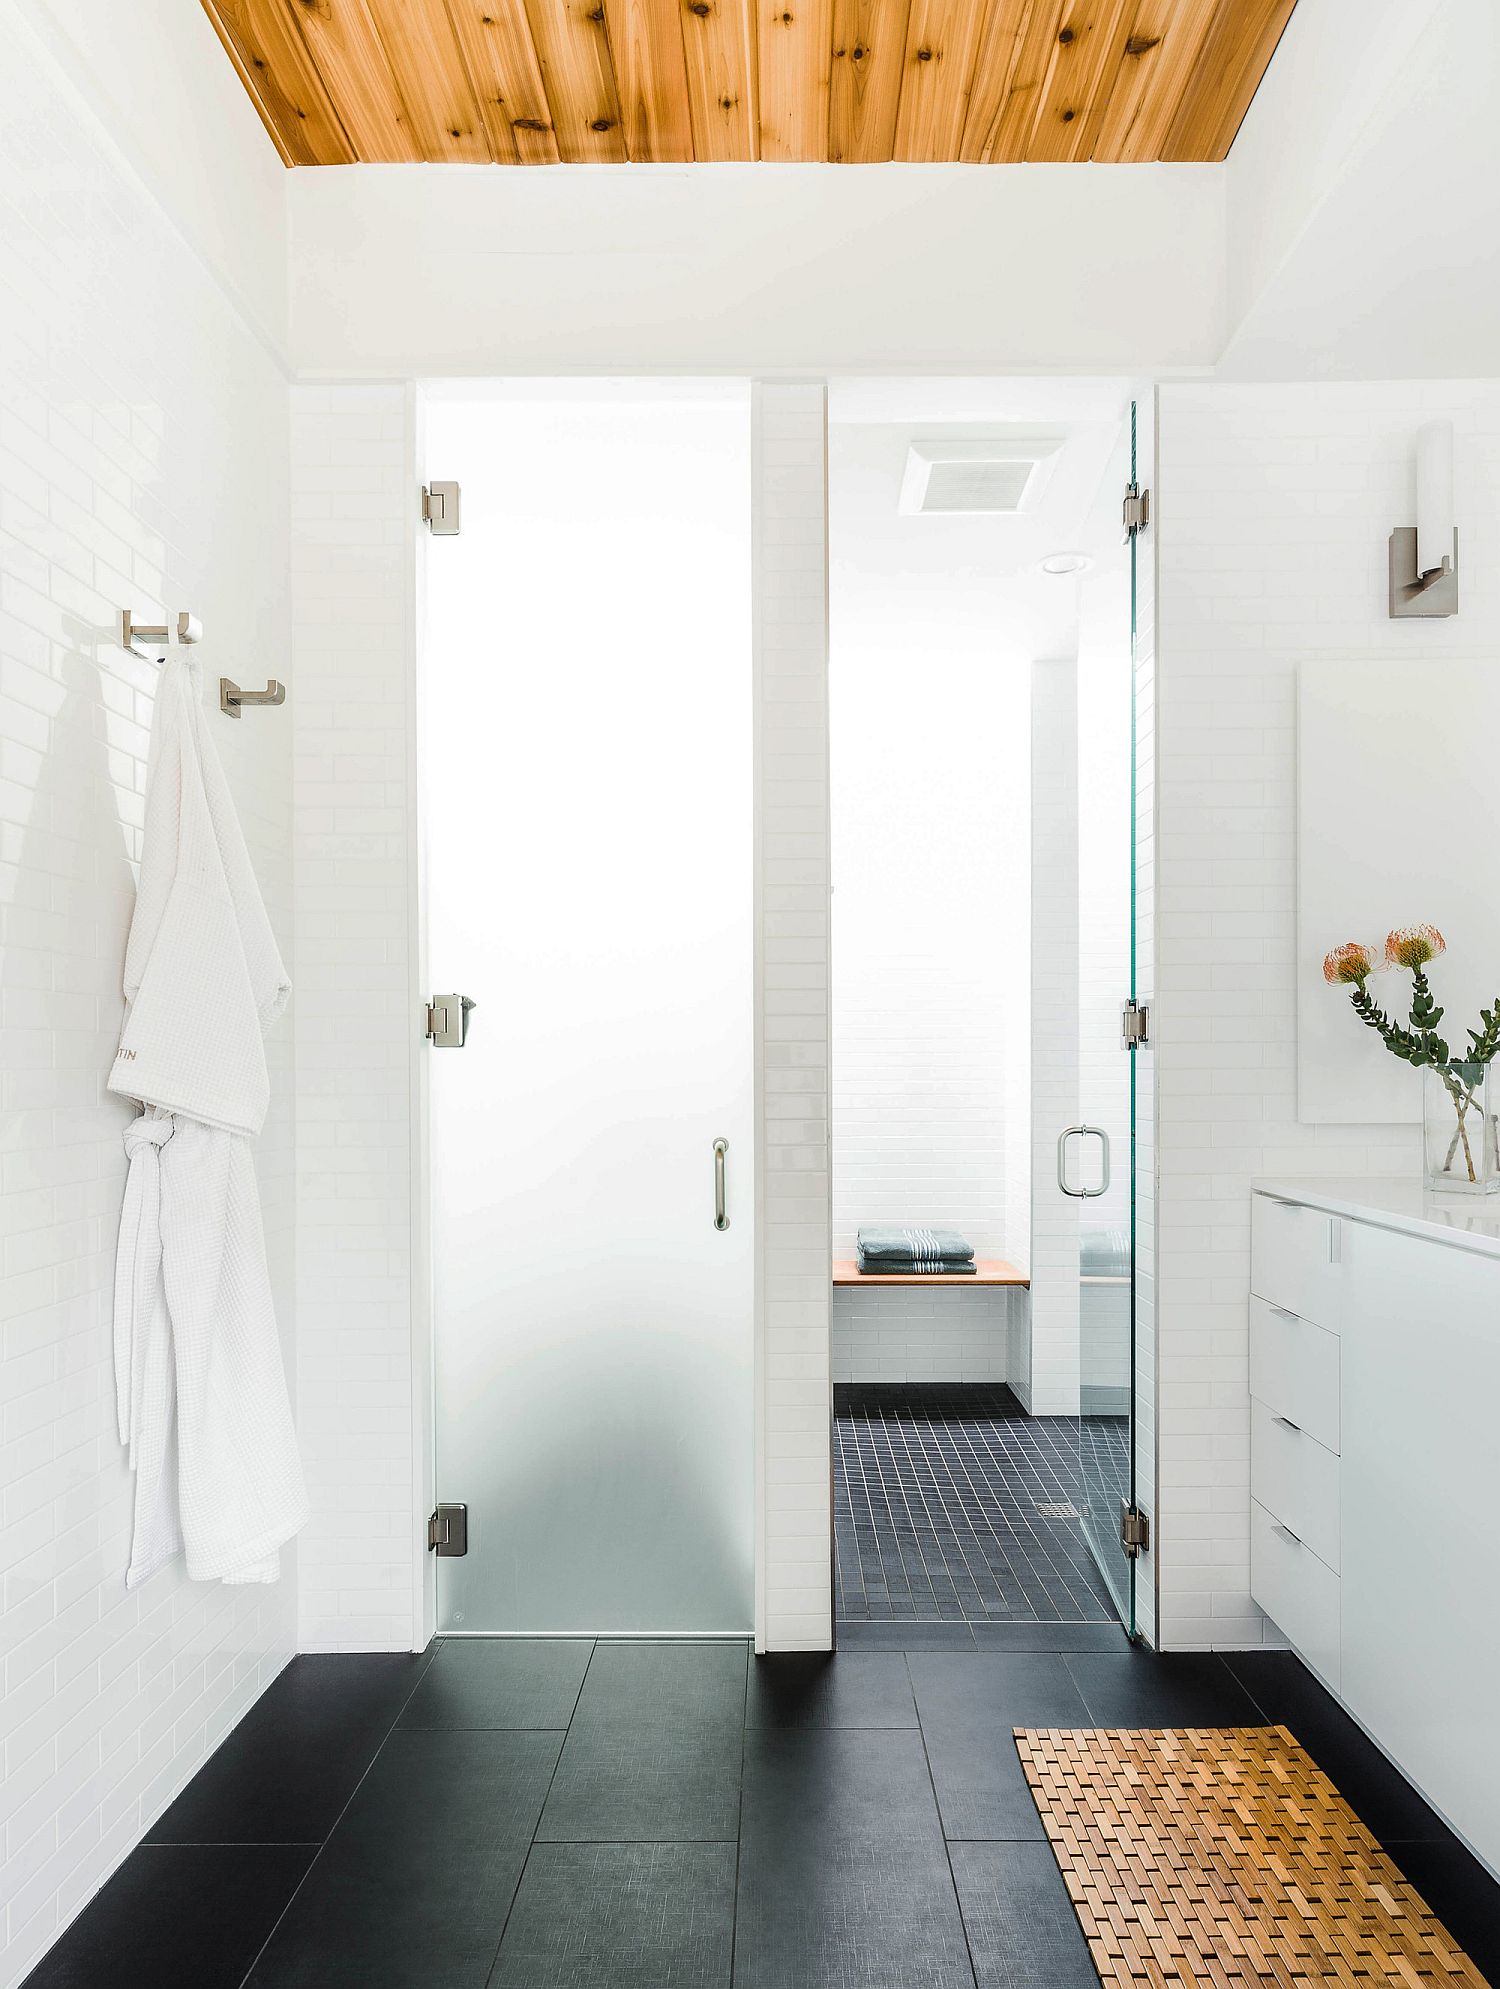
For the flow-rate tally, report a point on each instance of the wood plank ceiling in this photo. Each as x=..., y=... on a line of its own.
x=532, y=82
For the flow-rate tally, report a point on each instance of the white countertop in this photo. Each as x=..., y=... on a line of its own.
x=1471, y=1221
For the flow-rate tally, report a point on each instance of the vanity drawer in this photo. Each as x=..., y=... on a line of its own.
x=1294, y=1370
x=1297, y=1591
x=1294, y=1259
x=1296, y=1479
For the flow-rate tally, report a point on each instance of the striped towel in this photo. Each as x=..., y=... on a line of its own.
x=902, y=1247
x=931, y=1267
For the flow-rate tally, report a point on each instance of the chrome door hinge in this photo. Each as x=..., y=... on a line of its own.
x=448, y=1021
x=1135, y=1025
x=448, y=1532
x=1137, y=510
x=1135, y=1530
x=440, y=509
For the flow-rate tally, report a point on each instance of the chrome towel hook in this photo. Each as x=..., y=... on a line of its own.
x=231, y=697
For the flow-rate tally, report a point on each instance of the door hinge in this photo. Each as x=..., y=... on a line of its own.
x=1135, y=1530
x=440, y=509
x=1136, y=514
x=447, y=1024
x=448, y=1532
x=1135, y=1025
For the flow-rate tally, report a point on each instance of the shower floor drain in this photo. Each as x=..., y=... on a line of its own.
x=1060, y=1511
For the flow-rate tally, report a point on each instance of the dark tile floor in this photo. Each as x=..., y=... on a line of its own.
x=952, y=1504
x=556, y=1814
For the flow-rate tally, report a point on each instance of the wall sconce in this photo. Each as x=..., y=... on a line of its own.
x=1424, y=556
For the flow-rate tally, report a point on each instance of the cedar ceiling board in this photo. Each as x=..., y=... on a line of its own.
x=423, y=52
x=1161, y=50
x=263, y=43
x=794, y=50
x=498, y=53
x=864, y=92
x=1086, y=53
x=1004, y=96
x=1236, y=54
x=942, y=39
x=720, y=78
x=573, y=50
x=342, y=41
x=645, y=48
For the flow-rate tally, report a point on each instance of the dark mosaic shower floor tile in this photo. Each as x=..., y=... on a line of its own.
x=953, y=1505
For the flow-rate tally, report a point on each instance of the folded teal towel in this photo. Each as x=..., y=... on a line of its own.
x=931, y=1267
x=903, y=1244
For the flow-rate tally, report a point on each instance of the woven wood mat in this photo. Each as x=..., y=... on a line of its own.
x=1222, y=1856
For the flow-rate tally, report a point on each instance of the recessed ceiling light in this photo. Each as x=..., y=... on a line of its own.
x=1066, y=562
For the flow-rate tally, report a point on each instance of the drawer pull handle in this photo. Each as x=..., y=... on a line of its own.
x=1287, y=1424
x=1286, y=1532
x=1282, y=1313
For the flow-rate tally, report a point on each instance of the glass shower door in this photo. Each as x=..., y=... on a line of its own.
x=1102, y=1177
x=586, y=766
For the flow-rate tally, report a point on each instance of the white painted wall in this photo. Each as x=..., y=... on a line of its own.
x=411, y=270
x=1275, y=503
x=143, y=463
x=1363, y=187
x=156, y=76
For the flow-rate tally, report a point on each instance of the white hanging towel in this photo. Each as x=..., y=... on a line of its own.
x=200, y=1391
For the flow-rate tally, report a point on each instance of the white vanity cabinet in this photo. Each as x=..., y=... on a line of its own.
x=1375, y=1471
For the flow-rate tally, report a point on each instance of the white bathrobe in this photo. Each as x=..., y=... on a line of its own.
x=200, y=1391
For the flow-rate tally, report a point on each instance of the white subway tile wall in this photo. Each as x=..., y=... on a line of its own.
x=794, y=1604
x=1275, y=507
x=930, y=966
x=143, y=464
x=1047, y=1369
x=354, y=510
x=908, y=1333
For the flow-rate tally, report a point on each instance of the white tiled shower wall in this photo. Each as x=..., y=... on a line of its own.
x=142, y=464
x=354, y=510
x=917, y=1333
x=790, y=526
x=1275, y=506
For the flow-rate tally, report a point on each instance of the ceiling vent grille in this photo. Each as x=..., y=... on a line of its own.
x=976, y=475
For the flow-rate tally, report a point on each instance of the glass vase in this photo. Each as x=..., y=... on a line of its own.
x=1459, y=1140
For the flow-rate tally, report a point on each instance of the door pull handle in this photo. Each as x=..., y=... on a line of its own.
x=721, y=1216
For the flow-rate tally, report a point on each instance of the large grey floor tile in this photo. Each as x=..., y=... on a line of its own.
x=905, y=1637
x=1012, y=1637
x=852, y=1689
x=177, y=1916
x=646, y=1784
x=1140, y=1688
x=500, y=1682
x=1023, y=1931
x=1014, y=1689
x=621, y=1916
x=286, y=1771
x=412, y=1889
x=981, y=1790
x=844, y=1879
x=673, y=1685
x=968, y=1708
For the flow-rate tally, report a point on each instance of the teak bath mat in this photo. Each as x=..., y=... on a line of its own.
x=1223, y=1856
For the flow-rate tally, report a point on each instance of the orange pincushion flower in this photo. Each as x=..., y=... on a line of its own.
x=1349, y=965
x=1412, y=946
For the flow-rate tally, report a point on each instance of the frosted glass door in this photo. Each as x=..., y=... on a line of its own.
x=586, y=767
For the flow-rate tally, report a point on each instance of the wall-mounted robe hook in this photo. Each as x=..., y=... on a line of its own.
x=133, y=633
x=231, y=697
